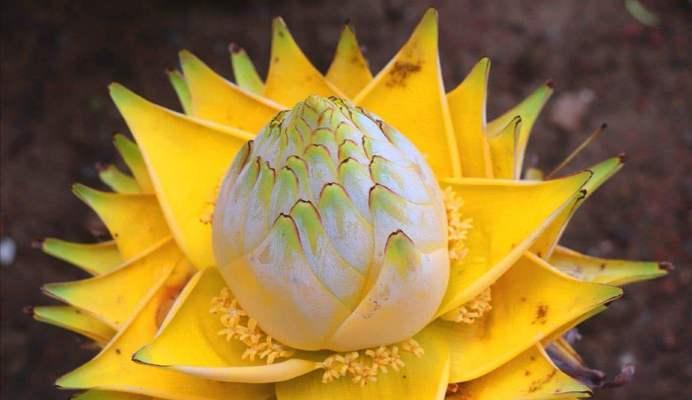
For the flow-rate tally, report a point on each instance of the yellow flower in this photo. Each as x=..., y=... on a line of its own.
x=331, y=236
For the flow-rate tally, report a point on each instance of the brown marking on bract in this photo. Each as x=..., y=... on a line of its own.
x=541, y=312
x=166, y=302
x=666, y=266
x=400, y=73
x=535, y=385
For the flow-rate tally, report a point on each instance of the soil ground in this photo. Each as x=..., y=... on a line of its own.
x=57, y=122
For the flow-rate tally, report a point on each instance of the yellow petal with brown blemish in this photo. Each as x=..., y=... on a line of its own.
x=408, y=93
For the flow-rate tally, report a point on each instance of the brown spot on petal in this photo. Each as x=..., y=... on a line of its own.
x=400, y=73
x=166, y=303
x=535, y=385
x=541, y=312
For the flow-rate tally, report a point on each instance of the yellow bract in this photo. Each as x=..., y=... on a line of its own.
x=205, y=352
x=105, y=395
x=528, y=111
x=349, y=71
x=421, y=378
x=118, y=180
x=467, y=108
x=529, y=376
x=133, y=158
x=601, y=172
x=601, y=270
x=530, y=301
x=181, y=90
x=96, y=259
x=75, y=320
x=113, y=297
x=113, y=369
x=409, y=94
x=186, y=160
x=292, y=77
x=503, y=147
x=244, y=71
x=215, y=99
x=119, y=212
x=507, y=216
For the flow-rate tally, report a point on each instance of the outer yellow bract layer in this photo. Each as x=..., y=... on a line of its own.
x=147, y=304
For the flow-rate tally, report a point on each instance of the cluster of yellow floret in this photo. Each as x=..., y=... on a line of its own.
x=473, y=310
x=364, y=366
x=237, y=324
x=457, y=226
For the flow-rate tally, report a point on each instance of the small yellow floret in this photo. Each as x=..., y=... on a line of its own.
x=471, y=311
x=364, y=366
x=457, y=226
x=239, y=326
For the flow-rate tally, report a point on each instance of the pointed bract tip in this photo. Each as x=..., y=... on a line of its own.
x=82, y=191
x=186, y=56
x=101, y=167
x=47, y=289
x=234, y=48
x=347, y=31
x=550, y=83
x=429, y=22
x=138, y=357
x=604, y=126
x=28, y=310
x=119, y=138
x=278, y=23
x=64, y=382
x=78, y=187
x=120, y=94
x=484, y=65
x=431, y=13
x=116, y=87
x=666, y=266
x=37, y=243
x=622, y=157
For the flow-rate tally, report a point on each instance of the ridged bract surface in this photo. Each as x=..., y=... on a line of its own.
x=330, y=230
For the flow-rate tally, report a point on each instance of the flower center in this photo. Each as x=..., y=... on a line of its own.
x=328, y=224
x=362, y=366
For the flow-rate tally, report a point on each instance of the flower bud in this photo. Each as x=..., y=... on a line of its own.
x=330, y=230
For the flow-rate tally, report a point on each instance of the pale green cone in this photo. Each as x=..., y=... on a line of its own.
x=330, y=230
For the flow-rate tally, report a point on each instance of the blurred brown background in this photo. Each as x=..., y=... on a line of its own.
x=57, y=122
